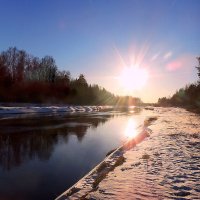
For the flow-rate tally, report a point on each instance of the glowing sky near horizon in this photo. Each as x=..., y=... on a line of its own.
x=100, y=38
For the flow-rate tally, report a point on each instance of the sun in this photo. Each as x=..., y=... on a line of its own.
x=133, y=78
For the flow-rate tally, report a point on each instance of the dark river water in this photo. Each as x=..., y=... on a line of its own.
x=42, y=156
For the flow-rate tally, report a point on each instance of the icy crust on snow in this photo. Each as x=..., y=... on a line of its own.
x=49, y=109
x=166, y=165
x=26, y=110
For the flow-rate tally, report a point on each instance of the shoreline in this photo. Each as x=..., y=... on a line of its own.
x=25, y=110
x=38, y=110
x=89, y=183
x=166, y=166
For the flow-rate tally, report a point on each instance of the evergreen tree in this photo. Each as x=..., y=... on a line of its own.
x=198, y=68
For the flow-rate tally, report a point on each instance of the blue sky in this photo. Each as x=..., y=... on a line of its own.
x=96, y=38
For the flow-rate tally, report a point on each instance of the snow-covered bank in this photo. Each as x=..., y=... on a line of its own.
x=90, y=182
x=165, y=166
x=49, y=109
x=13, y=110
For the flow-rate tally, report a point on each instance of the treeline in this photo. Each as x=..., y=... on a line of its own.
x=188, y=97
x=29, y=79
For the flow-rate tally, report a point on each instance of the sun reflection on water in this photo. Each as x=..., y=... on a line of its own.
x=130, y=131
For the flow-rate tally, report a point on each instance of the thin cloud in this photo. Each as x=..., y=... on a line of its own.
x=167, y=55
x=184, y=62
x=155, y=56
x=175, y=65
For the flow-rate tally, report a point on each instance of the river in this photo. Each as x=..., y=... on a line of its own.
x=43, y=155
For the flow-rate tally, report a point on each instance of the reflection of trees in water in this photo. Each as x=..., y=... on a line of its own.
x=23, y=140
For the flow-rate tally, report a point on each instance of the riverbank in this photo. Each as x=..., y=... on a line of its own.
x=47, y=109
x=20, y=109
x=164, y=166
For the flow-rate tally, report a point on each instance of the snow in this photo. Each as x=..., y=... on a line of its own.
x=165, y=165
x=47, y=109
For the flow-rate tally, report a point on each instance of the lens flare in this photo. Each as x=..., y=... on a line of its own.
x=133, y=78
x=130, y=131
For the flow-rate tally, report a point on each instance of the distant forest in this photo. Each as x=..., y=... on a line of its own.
x=29, y=79
x=188, y=97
